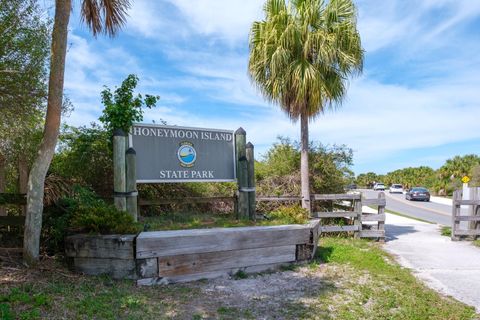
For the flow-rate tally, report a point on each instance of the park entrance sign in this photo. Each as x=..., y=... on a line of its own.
x=183, y=154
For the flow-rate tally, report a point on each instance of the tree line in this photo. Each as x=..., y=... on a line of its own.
x=442, y=181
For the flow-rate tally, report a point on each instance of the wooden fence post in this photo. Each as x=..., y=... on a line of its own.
x=476, y=211
x=357, y=221
x=251, y=180
x=119, y=178
x=131, y=183
x=381, y=210
x=472, y=210
x=456, y=208
x=242, y=173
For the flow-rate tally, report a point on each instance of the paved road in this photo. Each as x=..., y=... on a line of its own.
x=429, y=211
x=450, y=267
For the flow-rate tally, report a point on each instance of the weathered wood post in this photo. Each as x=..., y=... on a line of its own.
x=357, y=221
x=131, y=183
x=456, y=208
x=473, y=210
x=119, y=177
x=251, y=180
x=242, y=173
x=381, y=211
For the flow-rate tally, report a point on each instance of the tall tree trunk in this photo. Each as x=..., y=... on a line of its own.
x=3, y=182
x=304, y=171
x=36, y=179
x=23, y=178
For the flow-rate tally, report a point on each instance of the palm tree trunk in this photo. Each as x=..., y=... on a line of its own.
x=304, y=171
x=36, y=179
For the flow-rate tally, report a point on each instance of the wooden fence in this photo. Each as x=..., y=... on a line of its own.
x=355, y=214
x=12, y=199
x=466, y=226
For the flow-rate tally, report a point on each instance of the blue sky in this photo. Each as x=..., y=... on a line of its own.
x=417, y=102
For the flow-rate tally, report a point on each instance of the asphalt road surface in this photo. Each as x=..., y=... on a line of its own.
x=428, y=211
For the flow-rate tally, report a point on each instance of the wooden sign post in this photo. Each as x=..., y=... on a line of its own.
x=251, y=181
x=119, y=177
x=242, y=173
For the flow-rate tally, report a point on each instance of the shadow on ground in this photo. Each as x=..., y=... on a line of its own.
x=392, y=231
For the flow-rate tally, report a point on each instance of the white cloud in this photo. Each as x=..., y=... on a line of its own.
x=427, y=95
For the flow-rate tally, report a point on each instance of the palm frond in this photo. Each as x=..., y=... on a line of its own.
x=302, y=54
x=104, y=16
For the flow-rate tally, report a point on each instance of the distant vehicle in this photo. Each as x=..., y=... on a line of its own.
x=379, y=187
x=418, y=193
x=396, y=188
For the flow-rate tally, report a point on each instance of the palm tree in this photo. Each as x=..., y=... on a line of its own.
x=301, y=55
x=101, y=16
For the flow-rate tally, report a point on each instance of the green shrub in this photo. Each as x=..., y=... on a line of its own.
x=83, y=211
x=103, y=219
x=446, y=231
x=289, y=215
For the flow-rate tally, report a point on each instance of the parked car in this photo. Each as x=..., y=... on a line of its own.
x=418, y=193
x=379, y=187
x=396, y=188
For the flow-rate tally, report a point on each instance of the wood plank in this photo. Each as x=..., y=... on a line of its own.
x=467, y=218
x=265, y=199
x=13, y=198
x=214, y=261
x=147, y=268
x=466, y=202
x=209, y=275
x=373, y=217
x=467, y=232
x=337, y=214
x=346, y=196
x=372, y=234
x=115, y=268
x=374, y=202
x=152, y=202
x=338, y=228
x=12, y=220
x=168, y=243
x=100, y=246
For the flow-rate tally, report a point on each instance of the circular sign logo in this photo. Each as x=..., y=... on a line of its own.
x=186, y=154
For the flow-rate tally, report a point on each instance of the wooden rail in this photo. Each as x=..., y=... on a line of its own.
x=470, y=228
x=357, y=216
x=155, y=202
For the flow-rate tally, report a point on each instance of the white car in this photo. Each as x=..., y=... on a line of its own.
x=396, y=188
x=379, y=187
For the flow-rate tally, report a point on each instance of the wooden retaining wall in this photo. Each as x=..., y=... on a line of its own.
x=186, y=255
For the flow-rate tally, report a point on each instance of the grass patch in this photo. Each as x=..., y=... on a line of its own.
x=348, y=279
x=194, y=220
x=446, y=231
x=373, y=286
x=476, y=243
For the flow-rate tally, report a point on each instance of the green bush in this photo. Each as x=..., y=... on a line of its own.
x=84, y=211
x=289, y=215
x=103, y=219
